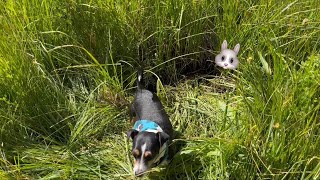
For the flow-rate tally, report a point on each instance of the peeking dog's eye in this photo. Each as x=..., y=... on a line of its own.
x=135, y=153
x=222, y=58
x=231, y=60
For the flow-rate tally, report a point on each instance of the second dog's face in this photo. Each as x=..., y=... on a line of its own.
x=145, y=150
x=227, y=58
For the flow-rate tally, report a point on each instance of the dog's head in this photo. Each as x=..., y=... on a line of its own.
x=147, y=149
x=227, y=58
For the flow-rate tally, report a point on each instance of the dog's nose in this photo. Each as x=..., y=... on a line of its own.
x=139, y=168
x=225, y=64
x=138, y=173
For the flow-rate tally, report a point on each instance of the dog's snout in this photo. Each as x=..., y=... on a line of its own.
x=225, y=64
x=138, y=173
x=139, y=168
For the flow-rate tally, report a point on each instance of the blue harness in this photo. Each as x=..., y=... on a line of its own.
x=146, y=125
x=150, y=126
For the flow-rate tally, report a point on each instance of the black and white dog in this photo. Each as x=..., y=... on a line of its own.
x=152, y=130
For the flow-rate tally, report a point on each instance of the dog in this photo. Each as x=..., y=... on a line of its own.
x=152, y=130
x=227, y=58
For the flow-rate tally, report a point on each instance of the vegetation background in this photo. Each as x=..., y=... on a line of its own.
x=67, y=72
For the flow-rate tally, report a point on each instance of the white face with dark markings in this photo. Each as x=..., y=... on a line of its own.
x=145, y=149
x=227, y=58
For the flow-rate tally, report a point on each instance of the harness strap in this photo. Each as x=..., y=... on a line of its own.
x=146, y=125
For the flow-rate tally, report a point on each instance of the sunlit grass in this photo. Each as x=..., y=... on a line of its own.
x=67, y=72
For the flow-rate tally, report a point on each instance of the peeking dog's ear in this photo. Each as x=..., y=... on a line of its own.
x=236, y=48
x=224, y=45
x=163, y=137
x=132, y=133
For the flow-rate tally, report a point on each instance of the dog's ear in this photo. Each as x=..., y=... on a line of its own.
x=132, y=133
x=163, y=137
x=236, y=49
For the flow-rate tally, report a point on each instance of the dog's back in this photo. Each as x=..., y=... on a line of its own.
x=147, y=106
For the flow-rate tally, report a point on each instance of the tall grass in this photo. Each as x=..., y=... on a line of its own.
x=67, y=72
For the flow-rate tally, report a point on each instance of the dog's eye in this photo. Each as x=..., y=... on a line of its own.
x=231, y=60
x=148, y=155
x=135, y=153
x=222, y=58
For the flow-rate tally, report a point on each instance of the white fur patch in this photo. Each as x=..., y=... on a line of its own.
x=140, y=166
